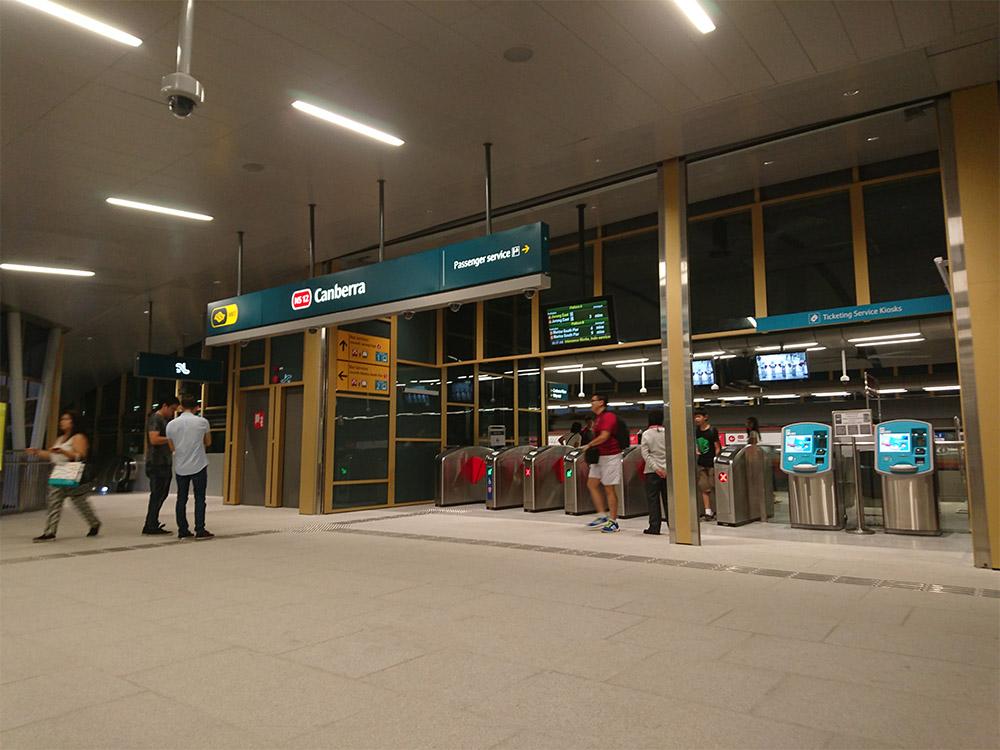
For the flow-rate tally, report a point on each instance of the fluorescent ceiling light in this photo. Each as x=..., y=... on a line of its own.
x=696, y=15
x=767, y=349
x=576, y=368
x=832, y=393
x=83, y=21
x=790, y=347
x=619, y=403
x=727, y=356
x=702, y=355
x=345, y=122
x=884, y=342
x=700, y=400
x=560, y=367
x=753, y=321
x=523, y=373
x=44, y=269
x=737, y=398
x=158, y=209
x=943, y=388
x=816, y=349
x=638, y=364
x=656, y=401
x=892, y=390
x=625, y=361
x=558, y=407
x=887, y=336
x=783, y=395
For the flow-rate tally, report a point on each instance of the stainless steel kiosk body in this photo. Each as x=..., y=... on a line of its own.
x=904, y=456
x=461, y=475
x=576, y=471
x=632, y=491
x=505, y=477
x=743, y=482
x=806, y=459
x=543, y=478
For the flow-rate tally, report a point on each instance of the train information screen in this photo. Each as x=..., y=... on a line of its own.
x=798, y=443
x=580, y=324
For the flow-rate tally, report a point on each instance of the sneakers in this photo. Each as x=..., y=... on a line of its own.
x=203, y=534
x=610, y=526
x=158, y=531
x=599, y=521
x=94, y=529
x=184, y=534
x=44, y=538
x=709, y=515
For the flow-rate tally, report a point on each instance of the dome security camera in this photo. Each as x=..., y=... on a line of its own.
x=244, y=343
x=408, y=315
x=529, y=293
x=183, y=93
x=715, y=386
x=455, y=306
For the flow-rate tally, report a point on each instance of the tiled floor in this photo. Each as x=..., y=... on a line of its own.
x=465, y=628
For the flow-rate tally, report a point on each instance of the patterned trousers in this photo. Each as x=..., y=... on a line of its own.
x=58, y=495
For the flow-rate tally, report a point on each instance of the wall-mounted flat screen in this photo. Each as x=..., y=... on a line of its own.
x=558, y=392
x=703, y=372
x=894, y=442
x=798, y=443
x=460, y=392
x=168, y=367
x=585, y=323
x=790, y=366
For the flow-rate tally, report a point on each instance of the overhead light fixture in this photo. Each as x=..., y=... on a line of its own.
x=619, y=403
x=783, y=395
x=83, y=21
x=727, y=356
x=769, y=162
x=883, y=342
x=886, y=336
x=852, y=92
x=767, y=349
x=625, y=361
x=790, y=347
x=158, y=209
x=884, y=391
x=700, y=400
x=44, y=269
x=346, y=122
x=737, y=398
x=655, y=401
x=753, y=321
x=577, y=368
x=825, y=394
x=638, y=364
x=816, y=349
x=703, y=355
x=873, y=138
x=943, y=388
x=696, y=14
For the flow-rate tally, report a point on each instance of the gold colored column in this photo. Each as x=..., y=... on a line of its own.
x=311, y=476
x=675, y=342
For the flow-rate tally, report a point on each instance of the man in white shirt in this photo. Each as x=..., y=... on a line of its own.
x=188, y=437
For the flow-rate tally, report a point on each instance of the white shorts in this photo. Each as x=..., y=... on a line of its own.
x=608, y=469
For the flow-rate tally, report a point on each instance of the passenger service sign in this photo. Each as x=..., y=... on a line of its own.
x=510, y=255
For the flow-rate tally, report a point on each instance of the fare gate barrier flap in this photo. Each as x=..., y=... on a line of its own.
x=459, y=476
x=544, y=480
x=505, y=477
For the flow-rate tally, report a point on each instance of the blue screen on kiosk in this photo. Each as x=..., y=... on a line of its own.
x=798, y=443
x=894, y=442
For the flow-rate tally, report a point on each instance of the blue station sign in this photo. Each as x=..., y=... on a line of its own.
x=878, y=311
x=428, y=276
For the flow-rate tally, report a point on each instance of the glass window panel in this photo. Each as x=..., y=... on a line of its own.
x=194, y=350
x=218, y=392
x=721, y=203
x=111, y=397
x=369, y=327
x=286, y=358
x=254, y=376
x=361, y=439
x=720, y=256
x=460, y=424
x=252, y=354
x=905, y=231
x=646, y=221
x=218, y=442
x=416, y=339
x=631, y=275
x=460, y=384
x=460, y=334
x=570, y=282
x=809, y=255
x=499, y=367
x=507, y=326
x=529, y=428
x=360, y=495
x=529, y=384
x=418, y=401
x=912, y=163
x=415, y=471
x=496, y=405
x=806, y=184
x=34, y=343
x=164, y=388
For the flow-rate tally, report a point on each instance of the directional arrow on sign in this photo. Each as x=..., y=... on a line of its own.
x=341, y=376
x=343, y=345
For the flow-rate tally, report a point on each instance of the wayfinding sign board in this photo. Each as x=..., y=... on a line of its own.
x=878, y=311
x=362, y=363
x=495, y=265
x=169, y=367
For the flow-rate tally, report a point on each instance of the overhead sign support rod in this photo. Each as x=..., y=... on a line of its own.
x=239, y=264
x=381, y=220
x=312, y=240
x=489, y=188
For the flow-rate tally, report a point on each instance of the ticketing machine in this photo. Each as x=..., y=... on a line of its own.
x=806, y=459
x=904, y=456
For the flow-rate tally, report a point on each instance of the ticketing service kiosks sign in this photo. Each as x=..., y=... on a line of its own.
x=505, y=255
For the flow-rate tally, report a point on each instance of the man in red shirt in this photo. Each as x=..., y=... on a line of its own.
x=608, y=469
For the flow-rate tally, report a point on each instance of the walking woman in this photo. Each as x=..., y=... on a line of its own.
x=72, y=445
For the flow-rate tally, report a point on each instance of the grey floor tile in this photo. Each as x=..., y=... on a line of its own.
x=762, y=619
x=22, y=658
x=701, y=641
x=357, y=655
x=982, y=623
x=969, y=649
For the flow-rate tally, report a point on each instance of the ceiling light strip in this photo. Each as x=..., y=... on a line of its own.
x=44, y=269
x=83, y=21
x=158, y=209
x=696, y=14
x=883, y=338
x=885, y=342
x=346, y=122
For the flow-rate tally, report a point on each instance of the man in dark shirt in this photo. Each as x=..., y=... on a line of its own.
x=707, y=446
x=159, y=464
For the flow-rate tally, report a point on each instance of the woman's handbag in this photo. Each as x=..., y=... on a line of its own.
x=66, y=474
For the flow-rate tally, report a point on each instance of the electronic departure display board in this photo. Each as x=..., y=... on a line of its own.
x=585, y=323
x=702, y=372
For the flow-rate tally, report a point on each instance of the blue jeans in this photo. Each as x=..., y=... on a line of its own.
x=200, y=482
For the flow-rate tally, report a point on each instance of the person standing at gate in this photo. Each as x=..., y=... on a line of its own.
x=159, y=467
x=608, y=469
x=654, y=453
x=188, y=436
x=708, y=447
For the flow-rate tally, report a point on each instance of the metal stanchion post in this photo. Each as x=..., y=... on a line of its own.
x=859, y=501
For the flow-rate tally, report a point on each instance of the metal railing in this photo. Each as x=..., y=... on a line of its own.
x=23, y=482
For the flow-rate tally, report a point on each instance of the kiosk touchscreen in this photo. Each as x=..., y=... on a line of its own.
x=904, y=446
x=805, y=448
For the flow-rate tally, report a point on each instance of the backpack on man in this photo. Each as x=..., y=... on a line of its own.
x=621, y=433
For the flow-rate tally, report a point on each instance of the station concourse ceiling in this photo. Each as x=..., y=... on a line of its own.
x=610, y=86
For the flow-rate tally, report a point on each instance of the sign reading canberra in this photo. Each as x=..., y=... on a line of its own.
x=505, y=262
